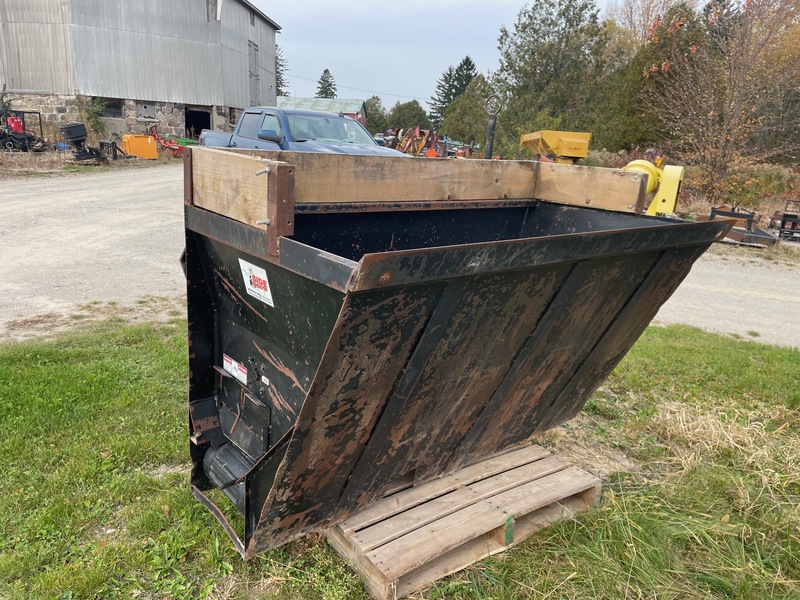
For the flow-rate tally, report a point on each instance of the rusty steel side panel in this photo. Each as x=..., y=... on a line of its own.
x=370, y=344
x=443, y=357
x=418, y=266
x=662, y=281
x=461, y=358
x=580, y=312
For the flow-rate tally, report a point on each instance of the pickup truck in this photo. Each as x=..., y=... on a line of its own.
x=271, y=128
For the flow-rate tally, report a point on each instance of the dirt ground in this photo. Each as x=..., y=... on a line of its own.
x=77, y=246
x=87, y=245
x=744, y=292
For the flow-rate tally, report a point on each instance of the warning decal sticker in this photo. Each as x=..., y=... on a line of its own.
x=256, y=283
x=237, y=369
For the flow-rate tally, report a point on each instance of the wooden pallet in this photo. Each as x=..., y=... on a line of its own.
x=417, y=535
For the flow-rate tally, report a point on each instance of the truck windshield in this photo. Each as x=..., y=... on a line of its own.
x=328, y=129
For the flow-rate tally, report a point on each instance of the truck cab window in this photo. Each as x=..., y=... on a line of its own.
x=250, y=125
x=271, y=122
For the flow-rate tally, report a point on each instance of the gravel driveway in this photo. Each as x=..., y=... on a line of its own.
x=68, y=240
x=116, y=236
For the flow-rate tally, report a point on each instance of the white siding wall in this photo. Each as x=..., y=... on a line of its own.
x=156, y=50
x=236, y=33
x=36, y=52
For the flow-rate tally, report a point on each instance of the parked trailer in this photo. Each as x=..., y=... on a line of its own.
x=355, y=321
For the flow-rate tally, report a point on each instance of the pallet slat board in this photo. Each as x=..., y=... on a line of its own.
x=413, y=537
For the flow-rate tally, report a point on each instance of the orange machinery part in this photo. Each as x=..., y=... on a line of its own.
x=141, y=146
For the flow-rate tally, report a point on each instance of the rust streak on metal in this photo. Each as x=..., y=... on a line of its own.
x=278, y=401
x=281, y=367
x=201, y=425
x=239, y=409
x=229, y=286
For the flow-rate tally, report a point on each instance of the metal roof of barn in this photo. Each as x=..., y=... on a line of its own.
x=258, y=11
x=335, y=105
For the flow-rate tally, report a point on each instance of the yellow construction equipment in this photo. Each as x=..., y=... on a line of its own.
x=666, y=183
x=564, y=146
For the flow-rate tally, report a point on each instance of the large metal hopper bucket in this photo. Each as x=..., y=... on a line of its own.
x=400, y=343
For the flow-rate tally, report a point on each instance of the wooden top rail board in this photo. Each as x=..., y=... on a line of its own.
x=256, y=192
x=228, y=177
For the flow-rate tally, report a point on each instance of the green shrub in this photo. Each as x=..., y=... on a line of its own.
x=754, y=186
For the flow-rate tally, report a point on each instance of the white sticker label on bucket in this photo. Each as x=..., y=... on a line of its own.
x=256, y=283
x=237, y=369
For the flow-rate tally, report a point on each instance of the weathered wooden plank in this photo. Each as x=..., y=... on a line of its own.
x=228, y=184
x=329, y=179
x=413, y=496
x=401, y=553
x=421, y=515
x=427, y=543
x=484, y=546
x=377, y=585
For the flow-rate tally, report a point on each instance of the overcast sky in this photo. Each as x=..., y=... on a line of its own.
x=396, y=50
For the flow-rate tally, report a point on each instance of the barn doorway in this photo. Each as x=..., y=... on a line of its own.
x=197, y=119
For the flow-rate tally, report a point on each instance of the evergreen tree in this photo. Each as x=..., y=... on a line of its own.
x=326, y=86
x=444, y=96
x=552, y=65
x=465, y=72
x=452, y=84
x=281, y=67
x=466, y=117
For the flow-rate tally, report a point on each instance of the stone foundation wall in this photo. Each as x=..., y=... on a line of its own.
x=59, y=109
x=220, y=121
x=56, y=110
x=169, y=117
x=137, y=116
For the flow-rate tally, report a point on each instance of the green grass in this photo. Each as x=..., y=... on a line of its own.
x=96, y=500
x=82, y=168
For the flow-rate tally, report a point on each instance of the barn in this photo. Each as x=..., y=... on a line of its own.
x=183, y=65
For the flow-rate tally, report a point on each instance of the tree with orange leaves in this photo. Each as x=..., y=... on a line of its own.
x=720, y=96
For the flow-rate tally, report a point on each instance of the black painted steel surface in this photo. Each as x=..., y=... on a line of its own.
x=386, y=344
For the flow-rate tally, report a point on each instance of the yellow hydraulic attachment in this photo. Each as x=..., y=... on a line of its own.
x=666, y=183
x=565, y=146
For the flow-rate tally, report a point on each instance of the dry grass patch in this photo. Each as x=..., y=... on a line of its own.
x=765, y=446
x=33, y=163
x=21, y=164
x=157, y=309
